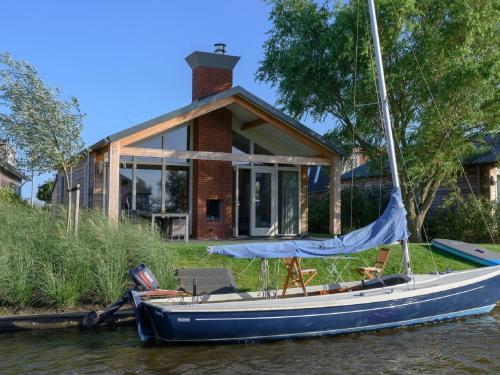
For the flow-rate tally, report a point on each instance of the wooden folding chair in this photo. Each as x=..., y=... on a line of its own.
x=378, y=268
x=296, y=276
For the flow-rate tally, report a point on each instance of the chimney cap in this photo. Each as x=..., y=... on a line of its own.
x=212, y=60
x=220, y=48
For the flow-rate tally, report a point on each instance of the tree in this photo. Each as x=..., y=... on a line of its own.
x=45, y=191
x=441, y=61
x=45, y=129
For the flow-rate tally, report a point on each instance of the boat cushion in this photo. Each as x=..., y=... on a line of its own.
x=208, y=280
x=388, y=280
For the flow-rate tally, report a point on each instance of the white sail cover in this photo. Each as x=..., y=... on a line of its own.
x=388, y=228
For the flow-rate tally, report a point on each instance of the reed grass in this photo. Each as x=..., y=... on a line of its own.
x=41, y=265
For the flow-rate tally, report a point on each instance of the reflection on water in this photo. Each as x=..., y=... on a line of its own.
x=467, y=346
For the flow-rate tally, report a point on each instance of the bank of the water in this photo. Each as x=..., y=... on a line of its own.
x=459, y=347
x=247, y=272
x=60, y=320
x=43, y=266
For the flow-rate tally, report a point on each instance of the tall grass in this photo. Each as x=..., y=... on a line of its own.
x=43, y=266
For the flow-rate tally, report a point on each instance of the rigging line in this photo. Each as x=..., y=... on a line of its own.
x=447, y=134
x=367, y=104
x=246, y=268
x=354, y=110
x=402, y=157
x=405, y=169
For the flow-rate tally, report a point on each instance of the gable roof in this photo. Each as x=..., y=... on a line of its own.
x=367, y=170
x=9, y=168
x=490, y=156
x=234, y=91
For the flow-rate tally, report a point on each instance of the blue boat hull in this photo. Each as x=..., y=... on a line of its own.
x=244, y=326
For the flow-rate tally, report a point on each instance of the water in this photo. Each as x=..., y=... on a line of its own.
x=467, y=346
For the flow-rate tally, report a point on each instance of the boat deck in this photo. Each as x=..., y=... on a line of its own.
x=319, y=295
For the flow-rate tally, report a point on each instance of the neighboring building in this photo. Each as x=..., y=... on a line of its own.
x=9, y=175
x=482, y=171
x=236, y=164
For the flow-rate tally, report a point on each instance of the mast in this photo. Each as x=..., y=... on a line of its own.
x=391, y=151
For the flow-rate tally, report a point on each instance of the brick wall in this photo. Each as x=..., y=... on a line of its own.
x=212, y=179
x=208, y=81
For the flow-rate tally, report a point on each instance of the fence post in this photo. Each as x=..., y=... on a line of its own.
x=77, y=208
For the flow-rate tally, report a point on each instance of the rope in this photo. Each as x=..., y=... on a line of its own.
x=246, y=268
x=354, y=110
x=405, y=169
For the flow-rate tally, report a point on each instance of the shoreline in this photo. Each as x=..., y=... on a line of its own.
x=38, y=319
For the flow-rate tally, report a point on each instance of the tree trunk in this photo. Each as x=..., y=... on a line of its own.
x=415, y=224
x=32, y=188
x=68, y=189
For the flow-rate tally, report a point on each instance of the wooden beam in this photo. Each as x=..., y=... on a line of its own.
x=173, y=122
x=113, y=195
x=285, y=127
x=222, y=156
x=334, y=190
x=253, y=124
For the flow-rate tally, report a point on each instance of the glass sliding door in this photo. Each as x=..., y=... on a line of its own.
x=244, y=199
x=288, y=202
x=263, y=223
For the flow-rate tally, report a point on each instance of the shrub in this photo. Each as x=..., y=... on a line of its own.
x=44, y=192
x=8, y=195
x=368, y=203
x=466, y=219
x=42, y=266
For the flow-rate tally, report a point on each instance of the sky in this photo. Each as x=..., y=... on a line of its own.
x=124, y=60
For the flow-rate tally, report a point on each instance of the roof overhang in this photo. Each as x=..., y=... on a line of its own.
x=264, y=112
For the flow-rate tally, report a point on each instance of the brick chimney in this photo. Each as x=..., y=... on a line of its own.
x=212, y=72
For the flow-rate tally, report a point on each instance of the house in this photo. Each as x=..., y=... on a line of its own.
x=482, y=174
x=237, y=165
x=10, y=176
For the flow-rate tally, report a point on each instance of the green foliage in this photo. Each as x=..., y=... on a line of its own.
x=45, y=129
x=466, y=219
x=8, y=195
x=442, y=67
x=368, y=203
x=44, y=192
x=42, y=266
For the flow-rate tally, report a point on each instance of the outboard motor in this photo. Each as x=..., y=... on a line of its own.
x=144, y=280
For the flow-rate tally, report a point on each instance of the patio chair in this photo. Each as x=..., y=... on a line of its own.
x=296, y=276
x=177, y=228
x=378, y=268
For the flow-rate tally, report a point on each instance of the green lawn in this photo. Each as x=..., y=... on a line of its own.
x=246, y=271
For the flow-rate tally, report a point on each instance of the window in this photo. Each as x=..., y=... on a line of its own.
x=241, y=145
x=62, y=190
x=177, y=189
x=498, y=185
x=148, y=188
x=260, y=150
x=214, y=209
x=126, y=187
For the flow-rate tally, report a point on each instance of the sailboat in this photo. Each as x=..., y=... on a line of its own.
x=388, y=302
